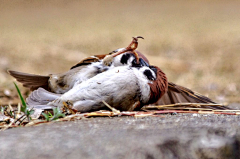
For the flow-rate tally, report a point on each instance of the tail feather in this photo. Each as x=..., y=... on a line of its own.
x=41, y=97
x=46, y=95
x=30, y=81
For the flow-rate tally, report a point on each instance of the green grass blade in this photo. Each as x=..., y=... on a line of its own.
x=46, y=116
x=24, y=105
x=57, y=113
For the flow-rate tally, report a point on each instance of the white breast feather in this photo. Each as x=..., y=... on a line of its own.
x=143, y=83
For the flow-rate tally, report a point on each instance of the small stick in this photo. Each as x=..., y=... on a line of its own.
x=8, y=126
x=182, y=104
x=186, y=108
x=113, y=109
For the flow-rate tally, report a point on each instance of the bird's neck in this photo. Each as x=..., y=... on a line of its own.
x=158, y=87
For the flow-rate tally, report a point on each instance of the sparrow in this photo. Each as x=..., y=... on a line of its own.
x=84, y=70
x=125, y=88
x=94, y=65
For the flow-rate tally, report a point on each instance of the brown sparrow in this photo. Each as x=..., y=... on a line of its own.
x=94, y=65
x=123, y=87
x=85, y=69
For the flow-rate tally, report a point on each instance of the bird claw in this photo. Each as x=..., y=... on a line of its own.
x=137, y=37
x=134, y=44
x=108, y=60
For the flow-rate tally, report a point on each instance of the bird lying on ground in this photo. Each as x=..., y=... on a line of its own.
x=124, y=88
x=99, y=64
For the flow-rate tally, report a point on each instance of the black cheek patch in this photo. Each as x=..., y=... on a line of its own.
x=149, y=74
x=125, y=58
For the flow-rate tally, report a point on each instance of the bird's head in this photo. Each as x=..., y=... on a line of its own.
x=117, y=57
x=129, y=50
x=130, y=59
x=156, y=80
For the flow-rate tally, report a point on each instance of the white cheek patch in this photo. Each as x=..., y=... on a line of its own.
x=153, y=73
x=148, y=73
x=117, y=61
x=130, y=60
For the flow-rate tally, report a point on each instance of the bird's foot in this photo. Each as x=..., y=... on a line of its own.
x=108, y=60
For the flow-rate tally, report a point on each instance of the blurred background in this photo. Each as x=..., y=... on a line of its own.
x=196, y=43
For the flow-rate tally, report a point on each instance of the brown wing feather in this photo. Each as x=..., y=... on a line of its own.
x=30, y=80
x=89, y=60
x=189, y=93
x=180, y=94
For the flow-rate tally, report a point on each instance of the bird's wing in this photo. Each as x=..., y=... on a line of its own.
x=89, y=60
x=180, y=94
x=30, y=80
x=187, y=94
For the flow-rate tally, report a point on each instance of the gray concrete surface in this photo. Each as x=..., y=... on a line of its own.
x=166, y=136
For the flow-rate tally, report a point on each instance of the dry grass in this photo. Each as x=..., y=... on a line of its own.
x=196, y=43
x=10, y=118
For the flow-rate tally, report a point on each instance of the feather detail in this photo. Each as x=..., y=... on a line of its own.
x=30, y=80
x=119, y=87
x=41, y=97
x=142, y=56
x=89, y=60
x=180, y=94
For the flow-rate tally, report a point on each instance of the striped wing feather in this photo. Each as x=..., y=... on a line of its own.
x=180, y=94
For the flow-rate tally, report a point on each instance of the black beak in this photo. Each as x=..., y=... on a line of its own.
x=140, y=64
x=143, y=63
